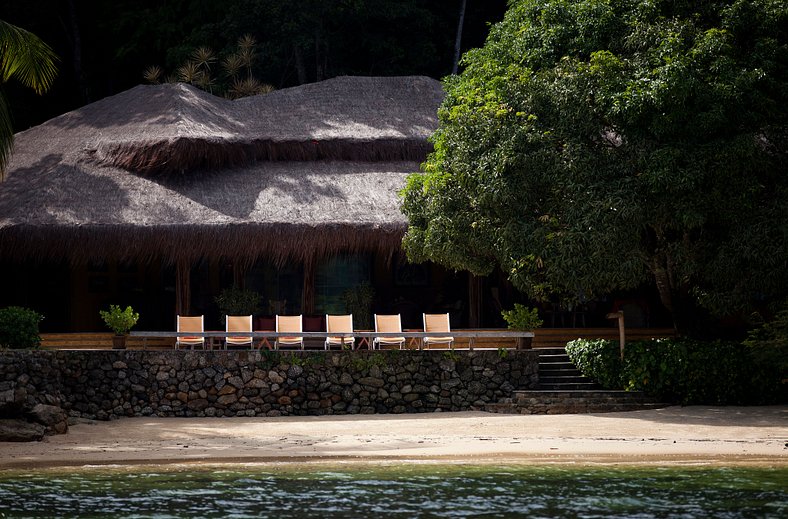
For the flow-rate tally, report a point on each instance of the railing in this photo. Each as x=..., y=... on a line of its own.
x=544, y=338
x=366, y=337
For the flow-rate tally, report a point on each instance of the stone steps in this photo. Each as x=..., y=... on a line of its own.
x=556, y=372
x=563, y=389
x=573, y=402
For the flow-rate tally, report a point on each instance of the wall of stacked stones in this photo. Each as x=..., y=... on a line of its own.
x=109, y=384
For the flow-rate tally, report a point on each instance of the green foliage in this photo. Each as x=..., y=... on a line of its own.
x=28, y=59
x=237, y=301
x=361, y=362
x=592, y=146
x=599, y=359
x=768, y=346
x=679, y=370
x=522, y=318
x=235, y=79
x=19, y=328
x=358, y=301
x=451, y=355
x=119, y=321
x=692, y=372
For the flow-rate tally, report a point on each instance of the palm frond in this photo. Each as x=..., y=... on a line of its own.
x=247, y=41
x=203, y=57
x=6, y=135
x=189, y=72
x=246, y=87
x=25, y=57
x=153, y=74
x=232, y=65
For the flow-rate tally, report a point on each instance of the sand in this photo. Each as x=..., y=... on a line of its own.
x=674, y=435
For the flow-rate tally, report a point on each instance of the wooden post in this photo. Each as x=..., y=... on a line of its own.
x=182, y=287
x=308, y=293
x=620, y=316
x=475, y=301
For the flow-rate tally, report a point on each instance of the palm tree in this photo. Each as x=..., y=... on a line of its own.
x=28, y=59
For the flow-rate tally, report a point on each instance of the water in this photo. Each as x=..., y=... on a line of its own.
x=411, y=490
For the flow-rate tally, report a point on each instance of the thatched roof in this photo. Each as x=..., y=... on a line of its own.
x=170, y=171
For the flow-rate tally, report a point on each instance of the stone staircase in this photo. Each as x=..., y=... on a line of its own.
x=564, y=390
x=557, y=373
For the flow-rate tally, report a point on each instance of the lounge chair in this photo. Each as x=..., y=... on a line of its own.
x=388, y=324
x=437, y=323
x=190, y=324
x=238, y=323
x=339, y=324
x=287, y=324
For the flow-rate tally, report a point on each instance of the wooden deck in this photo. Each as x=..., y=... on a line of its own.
x=544, y=338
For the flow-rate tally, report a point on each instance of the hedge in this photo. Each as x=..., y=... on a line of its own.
x=682, y=370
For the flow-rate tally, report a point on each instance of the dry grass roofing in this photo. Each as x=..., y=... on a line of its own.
x=172, y=172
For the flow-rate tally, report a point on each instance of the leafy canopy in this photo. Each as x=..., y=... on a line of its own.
x=25, y=57
x=594, y=145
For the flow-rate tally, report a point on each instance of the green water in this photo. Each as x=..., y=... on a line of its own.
x=412, y=490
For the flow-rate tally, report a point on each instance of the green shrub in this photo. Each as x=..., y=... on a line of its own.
x=238, y=301
x=522, y=317
x=682, y=370
x=598, y=359
x=119, y=321
x=19, y=328
x=358, y=301
x=691, y=371
x=768, y=346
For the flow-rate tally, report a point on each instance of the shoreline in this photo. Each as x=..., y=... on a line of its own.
x=673, y=436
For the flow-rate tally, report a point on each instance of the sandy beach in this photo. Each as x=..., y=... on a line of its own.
x=674, y=435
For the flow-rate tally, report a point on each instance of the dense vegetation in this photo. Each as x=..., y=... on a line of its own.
x=686, y=371
x=19, y=328
x=106, y=46
x=596, y=145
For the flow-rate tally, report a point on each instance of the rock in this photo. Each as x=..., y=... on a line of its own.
x=53, y=418
x=371, y=382
x=227, y=399
x=236, y=382
x=275, y=378
x=16, y=430
x=9, y=406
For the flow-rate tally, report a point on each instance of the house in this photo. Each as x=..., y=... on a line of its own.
x=162, y=195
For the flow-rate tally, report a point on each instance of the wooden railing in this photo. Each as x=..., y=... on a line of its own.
x=543, y=338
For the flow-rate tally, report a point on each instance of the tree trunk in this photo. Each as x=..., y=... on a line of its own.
x=76, y=51
x=299, y=65
x=458, y=40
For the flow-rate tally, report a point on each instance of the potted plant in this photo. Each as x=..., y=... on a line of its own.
x=120, y=322
x=522, y=318
x=238, y=301
x=358, y=301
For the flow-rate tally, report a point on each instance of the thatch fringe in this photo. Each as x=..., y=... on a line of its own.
x=245, y=243
x=184, y=154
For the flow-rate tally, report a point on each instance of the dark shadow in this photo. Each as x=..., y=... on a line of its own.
x=712, y=416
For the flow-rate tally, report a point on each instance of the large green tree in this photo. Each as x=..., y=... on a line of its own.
x=595, y=145
x=25, y=57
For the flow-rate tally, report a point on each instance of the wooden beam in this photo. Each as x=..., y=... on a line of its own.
x=182, y=287
x=308, y=293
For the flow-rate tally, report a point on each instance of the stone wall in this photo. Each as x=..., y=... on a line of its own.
x=108, y=384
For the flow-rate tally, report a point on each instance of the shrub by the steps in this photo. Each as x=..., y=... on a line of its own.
x=680, y=370
x=598, y=359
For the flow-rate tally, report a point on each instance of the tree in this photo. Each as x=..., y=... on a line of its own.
x=28, y=59
x=595, y=145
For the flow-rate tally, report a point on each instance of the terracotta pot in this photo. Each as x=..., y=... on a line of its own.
x=118, y=342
